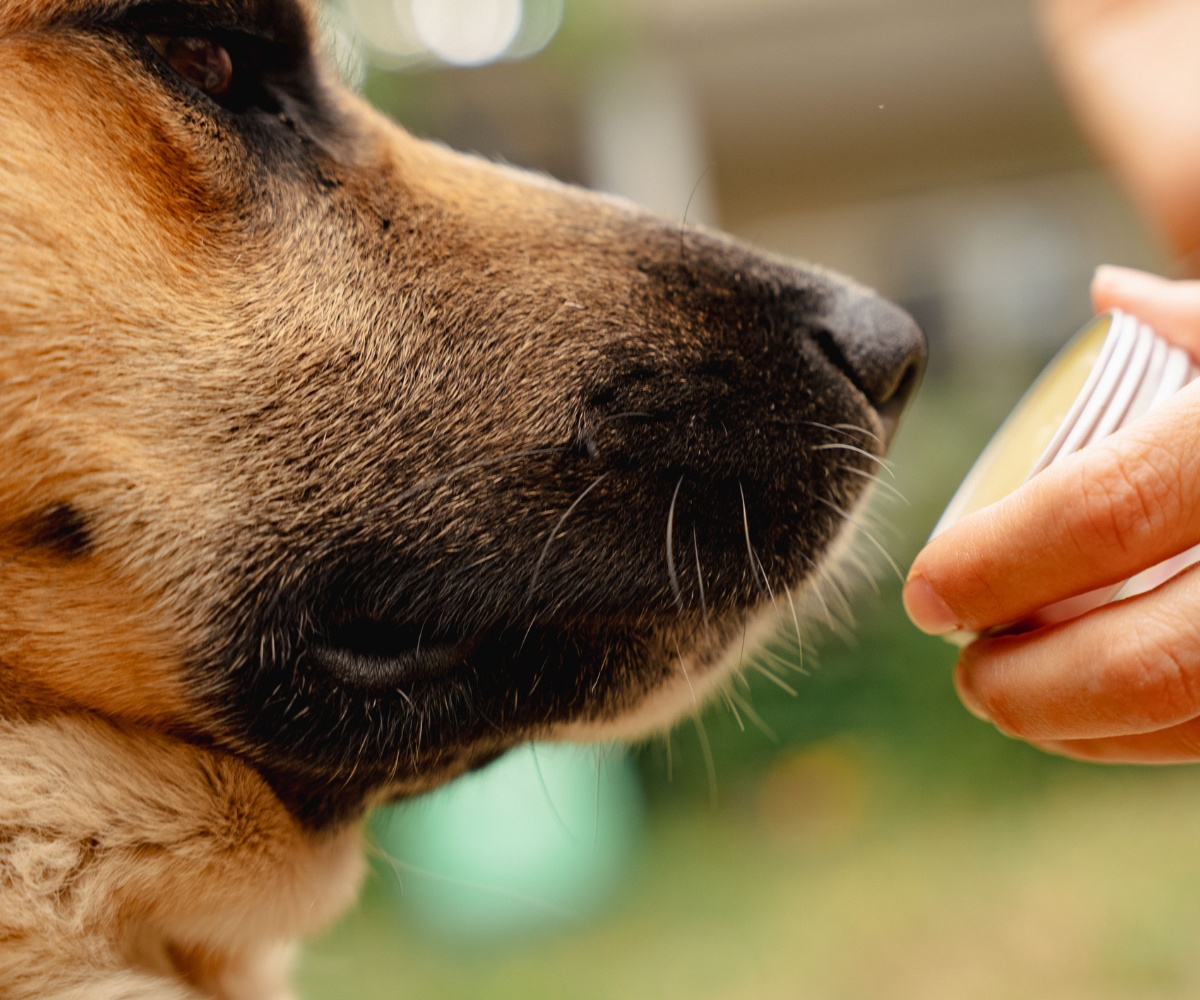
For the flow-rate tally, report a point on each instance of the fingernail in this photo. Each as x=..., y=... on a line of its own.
x=966, y=693
x=927, y=609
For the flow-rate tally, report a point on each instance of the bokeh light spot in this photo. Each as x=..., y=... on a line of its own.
x=544, y=837
x=467, y=32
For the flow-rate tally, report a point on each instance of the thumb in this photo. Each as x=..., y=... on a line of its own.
x=1172, y=308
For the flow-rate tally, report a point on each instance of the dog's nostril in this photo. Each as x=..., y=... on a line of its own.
x=880, y=348
x=892, y=407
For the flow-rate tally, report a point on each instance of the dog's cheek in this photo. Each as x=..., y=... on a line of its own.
x=73, y=636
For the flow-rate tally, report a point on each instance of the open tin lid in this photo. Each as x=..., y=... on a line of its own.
x=1109, y=374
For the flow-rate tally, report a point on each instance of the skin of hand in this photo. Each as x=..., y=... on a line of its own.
x=1121, y=683
x=1131, y=73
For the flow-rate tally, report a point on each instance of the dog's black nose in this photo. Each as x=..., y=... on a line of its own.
x=881, y=350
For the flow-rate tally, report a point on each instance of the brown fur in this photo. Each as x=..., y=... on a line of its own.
x=282, y=390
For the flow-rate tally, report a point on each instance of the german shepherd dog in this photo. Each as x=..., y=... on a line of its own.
x=333, y=463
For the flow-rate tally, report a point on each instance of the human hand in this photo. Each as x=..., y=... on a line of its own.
x=1121, y=683
x=1132, y=76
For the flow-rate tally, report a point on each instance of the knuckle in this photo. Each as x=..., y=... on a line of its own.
x=1122, y=500
x=1159, y=670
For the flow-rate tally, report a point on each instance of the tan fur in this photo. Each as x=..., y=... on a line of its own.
x=122, y=850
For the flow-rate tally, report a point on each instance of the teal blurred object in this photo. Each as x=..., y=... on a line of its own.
x=540, y=839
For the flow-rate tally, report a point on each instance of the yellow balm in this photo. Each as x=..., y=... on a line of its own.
x=1015, y=451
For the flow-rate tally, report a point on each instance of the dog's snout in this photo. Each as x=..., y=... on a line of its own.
x=880, y=348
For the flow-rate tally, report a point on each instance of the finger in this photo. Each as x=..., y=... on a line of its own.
x=1171, y=307
x=1067, y=23
x=1092, y=519
x=1174, y=745
x=1128, y=668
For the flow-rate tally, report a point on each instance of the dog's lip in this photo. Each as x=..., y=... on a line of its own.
x=380, y=655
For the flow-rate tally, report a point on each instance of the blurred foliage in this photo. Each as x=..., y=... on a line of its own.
x=1085, y=889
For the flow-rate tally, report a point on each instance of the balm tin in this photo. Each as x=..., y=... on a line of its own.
x=1109, y=374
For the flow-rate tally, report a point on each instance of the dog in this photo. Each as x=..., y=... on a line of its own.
x=336, y=463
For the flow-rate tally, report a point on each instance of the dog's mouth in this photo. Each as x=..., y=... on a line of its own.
x=378, y=678
x=379, y=656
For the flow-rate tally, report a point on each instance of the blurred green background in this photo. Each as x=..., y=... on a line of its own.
x=859, y=835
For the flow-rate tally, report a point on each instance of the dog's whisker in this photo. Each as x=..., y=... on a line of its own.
x=674, y=577
x=856, y=429
x=709, y=764
x=686, y=675
x=686, y=208
x=835, y=587
x=779, y=660
x=553, y=534
x=796, y=623
x=700, y=583
x=860, y=564
x=537, y=766
x=750, y=713
x=883, y=484
x=599, y=673
x=750, y=556
x=728, y=701
x=846, y=430
x=357, y=758
x=500, y=892
x=866, y=533
x=742, y=650
x=770, y=593
x=817, y=584
x=878, y=521
x=773, y=677
x=842, y=446
x=815, y=589
x=756, y=567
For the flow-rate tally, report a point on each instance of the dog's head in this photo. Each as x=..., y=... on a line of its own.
x=365, y=460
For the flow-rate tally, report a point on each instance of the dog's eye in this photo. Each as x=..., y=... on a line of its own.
x=202, y=62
